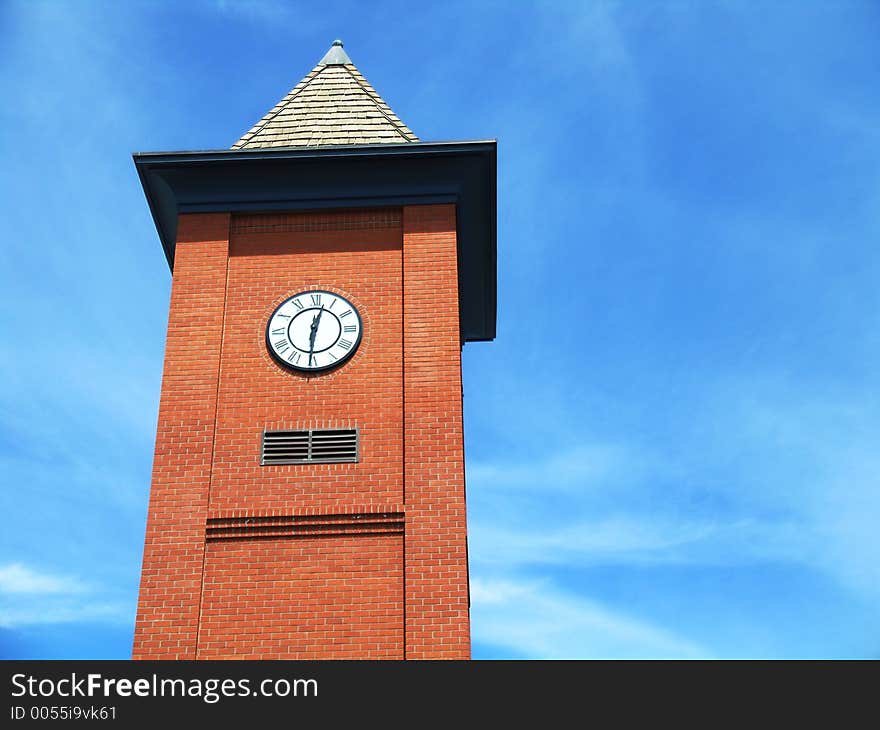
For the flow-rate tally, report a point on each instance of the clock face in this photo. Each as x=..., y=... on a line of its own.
x=313, y=330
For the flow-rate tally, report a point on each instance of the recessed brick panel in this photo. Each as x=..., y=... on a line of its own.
x=303, y=598
x=275, y=257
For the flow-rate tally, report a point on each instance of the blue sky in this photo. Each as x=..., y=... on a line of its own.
x=691, y=470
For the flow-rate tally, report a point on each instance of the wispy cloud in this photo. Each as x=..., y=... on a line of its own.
x=535, y=619
x=18, y=578
x=643, y=541
x=817, y=457
x=62, y=613
x=579, y=467
x=29, y=597
x=258, y=11
x=774, y=475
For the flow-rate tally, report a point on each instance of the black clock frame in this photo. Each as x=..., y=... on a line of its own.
x=332, y=366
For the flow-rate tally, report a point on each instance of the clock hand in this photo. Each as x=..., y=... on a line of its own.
x=314, y=331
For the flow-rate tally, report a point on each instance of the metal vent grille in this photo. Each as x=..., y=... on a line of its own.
x=314, y=446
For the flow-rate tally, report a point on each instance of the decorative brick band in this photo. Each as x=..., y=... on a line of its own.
x=355, y=220
x=349, y=509
x=320, y=525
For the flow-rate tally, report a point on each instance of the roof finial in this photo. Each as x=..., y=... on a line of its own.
x=335, y=56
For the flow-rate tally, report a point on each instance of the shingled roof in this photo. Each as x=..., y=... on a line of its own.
x=333, y=104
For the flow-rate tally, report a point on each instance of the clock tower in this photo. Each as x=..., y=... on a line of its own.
x=308, y=492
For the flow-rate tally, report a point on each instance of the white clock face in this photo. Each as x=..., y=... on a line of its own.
x=313, y=330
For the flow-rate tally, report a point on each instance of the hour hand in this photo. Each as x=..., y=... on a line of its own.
x=314, y=328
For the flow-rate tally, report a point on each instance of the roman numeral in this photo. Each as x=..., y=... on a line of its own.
x=345, y=313
x=278, y=331
x=332, y=303
x=282, y=315
x=282, y=346
x=294, y=357
x=344, y=344
x=297, y=304
x=333, y=356
x=349, y=328
x=316, y=299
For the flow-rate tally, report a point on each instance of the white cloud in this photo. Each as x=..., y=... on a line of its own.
x=30, y=597
x=57, y=613
x=640, y=539
x=582, y=466
x=821, y=461
x=18, y=578
x=535, y=620
x=258, y=11
x=772, y=475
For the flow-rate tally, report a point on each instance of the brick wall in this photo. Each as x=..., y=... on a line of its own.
x=294, y=591
x=168, y=604
x=269, y=262
x=335, y=597
x=437, y=601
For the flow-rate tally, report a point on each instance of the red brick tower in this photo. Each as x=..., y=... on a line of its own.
x=308, y=494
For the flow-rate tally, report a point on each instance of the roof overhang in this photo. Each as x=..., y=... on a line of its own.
x=349, y=176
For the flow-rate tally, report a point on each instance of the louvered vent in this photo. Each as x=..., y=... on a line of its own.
x=319, y=446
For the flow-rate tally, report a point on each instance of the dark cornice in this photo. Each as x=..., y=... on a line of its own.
x=345, y=176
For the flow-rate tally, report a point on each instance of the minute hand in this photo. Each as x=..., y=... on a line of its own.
x=314, y=332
